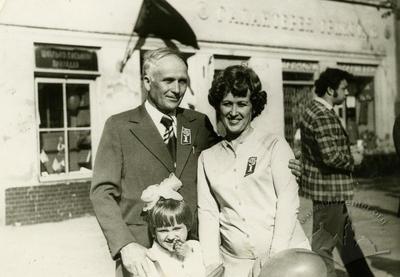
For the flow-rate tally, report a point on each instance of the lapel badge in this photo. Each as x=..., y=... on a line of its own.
x=186, y=136
x=251, y=166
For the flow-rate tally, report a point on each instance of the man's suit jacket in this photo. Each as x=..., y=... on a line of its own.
x=132, y=156
x=327, y=160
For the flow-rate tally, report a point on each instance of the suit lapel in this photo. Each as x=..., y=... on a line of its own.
x=340, y=124
x=186, y=133
x=144, y=129
x=334, y=115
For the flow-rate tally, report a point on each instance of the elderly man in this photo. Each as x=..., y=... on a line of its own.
x=141, y=147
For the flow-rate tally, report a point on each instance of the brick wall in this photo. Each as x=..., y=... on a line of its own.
x=37, y=204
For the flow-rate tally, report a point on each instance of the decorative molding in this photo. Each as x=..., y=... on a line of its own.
x=358, y=69
x=300, y=66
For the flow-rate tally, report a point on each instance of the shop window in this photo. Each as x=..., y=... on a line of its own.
x=360, y=119
x=222, y=61
x=298, y=81
x=65, y=149
x=360, y=107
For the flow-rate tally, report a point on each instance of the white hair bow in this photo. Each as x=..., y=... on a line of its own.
x=166, y=189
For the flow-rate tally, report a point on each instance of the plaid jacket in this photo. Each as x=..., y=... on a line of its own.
x=327, y=160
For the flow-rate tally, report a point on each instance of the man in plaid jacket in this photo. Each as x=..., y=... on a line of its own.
x=328, y=163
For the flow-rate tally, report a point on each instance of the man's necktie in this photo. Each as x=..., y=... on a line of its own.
x=169, y=137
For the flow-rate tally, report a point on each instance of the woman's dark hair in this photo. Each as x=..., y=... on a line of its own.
x=330, y=78
x=237, y=79
x=168, y=212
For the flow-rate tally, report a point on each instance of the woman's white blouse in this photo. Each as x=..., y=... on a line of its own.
x=247, y=197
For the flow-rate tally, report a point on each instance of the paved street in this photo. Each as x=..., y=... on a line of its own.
x=76, y=247
x=377, y=227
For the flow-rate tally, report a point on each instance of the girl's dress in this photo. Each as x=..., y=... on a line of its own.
x=163, y=263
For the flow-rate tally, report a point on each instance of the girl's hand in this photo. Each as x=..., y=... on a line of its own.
x=181, y=248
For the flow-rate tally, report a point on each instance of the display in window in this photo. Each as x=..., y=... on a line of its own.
x=64, y=129
x=360, y=115
x=296, y=98
x=78, y=111
x=80, y=152
x=50, y=98
x=52, y=153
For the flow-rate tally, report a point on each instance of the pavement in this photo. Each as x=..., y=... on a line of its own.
x=77, y=248
x=374, y=214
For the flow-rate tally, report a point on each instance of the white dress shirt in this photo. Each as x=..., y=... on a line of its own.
x=248, y=198
x=156, y=116
x=323, y=102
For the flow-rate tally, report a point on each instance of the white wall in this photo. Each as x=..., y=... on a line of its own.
x=117, y=16
x=386, y=84
x=17, y=108
x=113, y=92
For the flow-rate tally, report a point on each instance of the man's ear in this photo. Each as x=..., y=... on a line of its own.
x=330, y=91
x=147, y=82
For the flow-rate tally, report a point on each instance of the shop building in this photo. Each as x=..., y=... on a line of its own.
x=60, y=80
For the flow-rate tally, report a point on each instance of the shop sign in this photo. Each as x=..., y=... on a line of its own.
x=358, y=69
x=303, y=24
x=65, y=57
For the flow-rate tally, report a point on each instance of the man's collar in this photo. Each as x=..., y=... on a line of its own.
x=155, y=114
x=323, y=102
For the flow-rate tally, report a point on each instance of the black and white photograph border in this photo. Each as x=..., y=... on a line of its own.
x=90, y=52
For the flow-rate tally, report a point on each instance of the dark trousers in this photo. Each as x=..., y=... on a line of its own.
x=332, y=228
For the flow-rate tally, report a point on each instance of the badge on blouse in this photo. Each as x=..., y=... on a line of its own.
x=251, y=166
x=186, y=136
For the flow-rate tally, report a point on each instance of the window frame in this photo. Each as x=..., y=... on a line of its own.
x=67, y=175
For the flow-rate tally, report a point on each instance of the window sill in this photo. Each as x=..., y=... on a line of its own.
x=66, y=177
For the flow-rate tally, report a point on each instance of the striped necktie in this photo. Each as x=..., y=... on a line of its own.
x=169, y=136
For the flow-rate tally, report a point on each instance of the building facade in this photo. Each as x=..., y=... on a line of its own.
x=60, y=80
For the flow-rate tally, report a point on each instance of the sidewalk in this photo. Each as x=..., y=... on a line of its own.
x=72, y=248
x=77, y=248
x=373, y=211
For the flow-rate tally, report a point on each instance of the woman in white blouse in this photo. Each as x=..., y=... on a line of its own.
x=247, y=196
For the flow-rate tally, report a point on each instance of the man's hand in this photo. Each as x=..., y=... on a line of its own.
x=133, y=257
x=357, y=154
x=295, y=166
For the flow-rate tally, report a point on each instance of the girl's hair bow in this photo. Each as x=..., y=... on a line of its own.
x=167, y=189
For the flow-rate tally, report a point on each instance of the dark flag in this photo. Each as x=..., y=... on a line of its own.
x=160, y=19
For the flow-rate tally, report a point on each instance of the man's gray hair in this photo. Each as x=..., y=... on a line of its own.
x=151, y=57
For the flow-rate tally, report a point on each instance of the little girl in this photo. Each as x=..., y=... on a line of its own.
x=170, y=219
